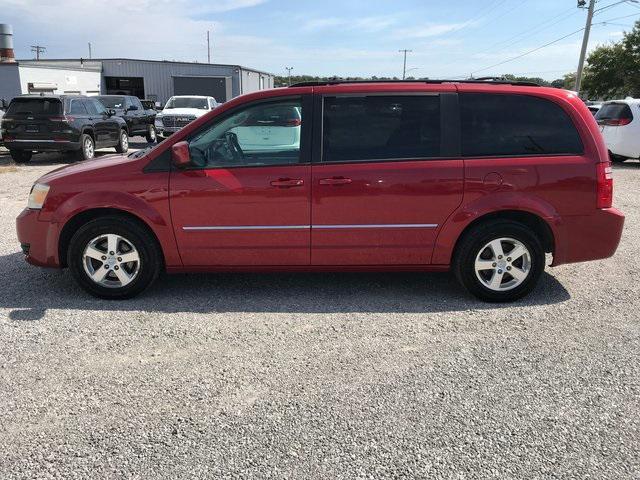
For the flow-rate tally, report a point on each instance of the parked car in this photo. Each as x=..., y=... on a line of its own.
x=621, y=128
x=61, y=123
x=481, y=178
x=140, y=121
x=180, y=111
x=593, y=108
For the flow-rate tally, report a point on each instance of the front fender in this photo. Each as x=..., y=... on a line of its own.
x=154, y=212
x=490, y=204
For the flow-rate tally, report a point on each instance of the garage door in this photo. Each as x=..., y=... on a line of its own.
x=216, y=87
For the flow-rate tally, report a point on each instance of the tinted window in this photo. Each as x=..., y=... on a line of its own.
x=35, y=106
x=381, y=128
x=494, y=125
x=614, y=111
x=113, y=102
x=263, y=134
x=77, y=108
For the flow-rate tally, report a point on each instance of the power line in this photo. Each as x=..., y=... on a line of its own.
x=529, y=52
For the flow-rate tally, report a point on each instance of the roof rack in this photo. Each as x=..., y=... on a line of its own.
x=484, y=80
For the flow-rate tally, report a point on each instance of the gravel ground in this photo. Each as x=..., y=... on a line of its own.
x=338, y=376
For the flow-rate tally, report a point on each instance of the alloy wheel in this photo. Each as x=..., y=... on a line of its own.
x=111, y=261
x=503, y=264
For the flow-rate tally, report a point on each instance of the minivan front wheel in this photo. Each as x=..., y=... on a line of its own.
x=114, y=258
x=499, y=261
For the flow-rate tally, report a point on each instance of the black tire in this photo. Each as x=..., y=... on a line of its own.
x=123, y=142
x=20, y=156
x=86, y=153
x=151, y=134
x=132, y=233
x=471, y=246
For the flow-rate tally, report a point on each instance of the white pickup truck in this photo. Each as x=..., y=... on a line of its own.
x=181, y=110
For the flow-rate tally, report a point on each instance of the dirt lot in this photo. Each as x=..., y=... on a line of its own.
x=319, y=376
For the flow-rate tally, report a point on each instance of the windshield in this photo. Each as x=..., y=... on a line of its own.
x=187, y=102
x=35, y=106
x=112, y=102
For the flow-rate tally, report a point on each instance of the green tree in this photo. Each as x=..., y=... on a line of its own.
x=613, y=70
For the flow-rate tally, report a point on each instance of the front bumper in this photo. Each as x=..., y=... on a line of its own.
x=41, y=145
x=38, y=239
x=582, y=238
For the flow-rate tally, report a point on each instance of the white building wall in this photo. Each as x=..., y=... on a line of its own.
x=65, y=81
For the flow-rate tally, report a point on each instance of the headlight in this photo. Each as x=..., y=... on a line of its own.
x=37, y=196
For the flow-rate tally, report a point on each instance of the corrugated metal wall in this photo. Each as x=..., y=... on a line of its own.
x=158, y=76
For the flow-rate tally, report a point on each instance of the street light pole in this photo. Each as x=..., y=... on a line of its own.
x=585, y=43
x=404, y=65
x=288, y=69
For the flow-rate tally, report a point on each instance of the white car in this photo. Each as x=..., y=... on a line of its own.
x=181, y=110
x=619, y=122
x=270, y=128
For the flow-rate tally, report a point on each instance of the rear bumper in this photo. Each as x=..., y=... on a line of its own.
x=588, y=237
x=38, y=239
x=42, y=145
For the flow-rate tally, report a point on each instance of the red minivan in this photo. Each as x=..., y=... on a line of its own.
x=482, y=178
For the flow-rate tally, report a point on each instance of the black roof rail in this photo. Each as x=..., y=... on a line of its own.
x=484, y=80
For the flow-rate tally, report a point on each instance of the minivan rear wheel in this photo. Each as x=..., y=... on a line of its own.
x=20, y=156
x=499, y=261
x=114, y=257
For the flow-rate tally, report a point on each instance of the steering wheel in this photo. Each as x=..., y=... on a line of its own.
x=234, y=147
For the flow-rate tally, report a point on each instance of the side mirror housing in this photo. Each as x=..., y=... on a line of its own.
x=180, y=154
x=111, y=112
x=132, y=108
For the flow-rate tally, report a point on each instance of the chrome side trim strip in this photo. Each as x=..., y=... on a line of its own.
x=305, y=227
x=38, y=141
x=251, y=227
x=383, y=225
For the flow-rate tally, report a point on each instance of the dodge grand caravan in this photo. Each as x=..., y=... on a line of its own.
x=481, y=178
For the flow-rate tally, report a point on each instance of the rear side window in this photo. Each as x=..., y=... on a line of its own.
x=77, y=108
x=614, y=111
x=515, y=125
x=381, y=128
x=35, y=106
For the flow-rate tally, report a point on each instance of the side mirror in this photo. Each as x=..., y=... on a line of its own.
x=111, y=112
x=180, y=154
x=131, y=108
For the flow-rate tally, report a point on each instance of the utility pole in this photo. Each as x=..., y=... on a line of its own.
x=208, y=49
x=404, y=65
x=89, y=50
x=37, y=49
x=585, y=41
x=288, y=69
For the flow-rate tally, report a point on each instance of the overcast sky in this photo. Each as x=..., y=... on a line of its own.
x=330, y=37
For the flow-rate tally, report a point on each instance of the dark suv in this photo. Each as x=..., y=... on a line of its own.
x=61, y=123
x=140, y=121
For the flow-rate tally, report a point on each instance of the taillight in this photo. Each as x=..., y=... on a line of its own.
x=605, y=185
x=293, y=122
x=616, y=122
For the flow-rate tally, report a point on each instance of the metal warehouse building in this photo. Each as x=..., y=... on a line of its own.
x=150, y=79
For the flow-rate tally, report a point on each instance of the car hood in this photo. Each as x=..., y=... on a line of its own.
x=198, y=112
x=86, y=166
